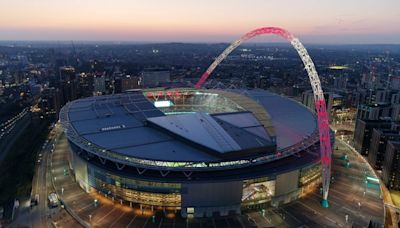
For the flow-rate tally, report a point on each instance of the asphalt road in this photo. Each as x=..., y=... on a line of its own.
x=346, y=192
x=11, y=131
x=42, y=215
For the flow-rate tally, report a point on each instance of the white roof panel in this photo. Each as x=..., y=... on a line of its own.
x=199, y=128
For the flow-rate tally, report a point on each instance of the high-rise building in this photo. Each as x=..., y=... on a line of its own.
x=51, y=101
x=86, y=85
x=395, y=82
x=363, y=133
x=374, y=111
x=67, y=73
x=109, y=85
x=117, y=84
x=391, y=165
x=381, y=96
x=129, y=82
x=99, y=84
x=68, y=84
x=378, y=145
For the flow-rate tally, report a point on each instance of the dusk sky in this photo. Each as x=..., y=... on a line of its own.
x=313, y=21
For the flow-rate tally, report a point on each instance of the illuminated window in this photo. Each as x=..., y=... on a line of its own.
x=190, y=210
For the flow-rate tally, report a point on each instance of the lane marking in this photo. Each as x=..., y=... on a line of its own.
x=131, y=221
x=159, y=225
x=112, y=224
x=98, y=221
x=85, y=207
x=145, y=222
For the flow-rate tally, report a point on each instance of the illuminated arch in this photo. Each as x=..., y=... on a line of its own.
x=319, y=100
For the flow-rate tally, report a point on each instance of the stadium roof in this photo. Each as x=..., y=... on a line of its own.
x=292, y=120
x=130, y=125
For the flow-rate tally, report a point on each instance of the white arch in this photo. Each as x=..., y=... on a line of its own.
x=320, y=106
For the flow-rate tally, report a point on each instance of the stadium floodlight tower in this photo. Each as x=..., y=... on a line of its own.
x=319, y=100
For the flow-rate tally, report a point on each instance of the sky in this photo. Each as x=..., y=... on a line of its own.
x=313, y=21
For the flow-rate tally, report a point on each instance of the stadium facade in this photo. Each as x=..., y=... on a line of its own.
x=203, y=152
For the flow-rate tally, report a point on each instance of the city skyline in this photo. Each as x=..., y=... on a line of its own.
x=183, y=113
x=339, y=22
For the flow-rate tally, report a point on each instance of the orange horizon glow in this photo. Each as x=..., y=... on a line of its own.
x=206, y=20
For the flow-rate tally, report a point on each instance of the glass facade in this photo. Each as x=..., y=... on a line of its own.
x=148, y=198
x=257, y=191
x=310, y=178
x=309, y=174
x=137, y=191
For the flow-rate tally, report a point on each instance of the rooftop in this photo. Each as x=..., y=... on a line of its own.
x=129, y=124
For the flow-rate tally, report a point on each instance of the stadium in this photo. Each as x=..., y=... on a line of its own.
x=201, y=152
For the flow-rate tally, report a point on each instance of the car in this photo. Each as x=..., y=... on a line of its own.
x=53, y=199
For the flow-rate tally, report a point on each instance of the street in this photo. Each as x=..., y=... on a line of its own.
x=41, y=215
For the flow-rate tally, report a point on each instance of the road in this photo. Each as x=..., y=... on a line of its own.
x=10, y=131
x=42, y=216
x=352, y=202
x=346, y=192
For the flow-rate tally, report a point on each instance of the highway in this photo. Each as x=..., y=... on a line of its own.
x=7, y=126
x=10, y=131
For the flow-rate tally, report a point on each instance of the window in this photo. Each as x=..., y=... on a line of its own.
x=190, y=210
